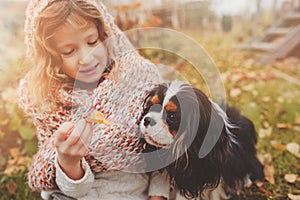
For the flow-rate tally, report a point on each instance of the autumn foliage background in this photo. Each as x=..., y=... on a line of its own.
x=269, y=95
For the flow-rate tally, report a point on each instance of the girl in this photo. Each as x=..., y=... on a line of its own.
x=82, y=62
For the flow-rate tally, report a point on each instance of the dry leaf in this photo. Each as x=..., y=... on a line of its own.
x=254, y=93
x=291, y=178
x=266, y=192
x=265, y=159
x=236, y=77
x=262, y=133
x=267, y=115
x=266, y=124
x=283, y=125
x=280, y=99
x=269, y=173
x=278, y=145
x=98, y=117
x=266, y=99
x=14, y=152
x=235, y=92
x=294, y=149
x=259, y=183
x=12, y=188
x=248, y=87
x=294, y=197
x=297, y=120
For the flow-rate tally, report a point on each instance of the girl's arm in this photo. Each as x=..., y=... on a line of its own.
x=45, y=172
x=73, y=175
x=159, y=188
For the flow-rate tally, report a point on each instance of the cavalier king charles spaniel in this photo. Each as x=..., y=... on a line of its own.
x=208, y=151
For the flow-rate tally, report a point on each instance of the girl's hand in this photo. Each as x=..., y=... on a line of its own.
x=72, y=142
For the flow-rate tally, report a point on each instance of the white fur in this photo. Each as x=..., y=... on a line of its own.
x=158, y=132
x=173, y=89
x=227, y=123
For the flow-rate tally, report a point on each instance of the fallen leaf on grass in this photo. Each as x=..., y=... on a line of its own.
x=294, y=197
x=265, y=159
x=262, y=133
x=259, y=183
x=278, y=145
x=297, y=120
x=266, y=99
x=14, y=152
x=248, y=87
x=280, y=99
x=291, y=178
x=269, y=173
x=236, y=77
x=12, y=187
x=235, y=92
x=267, y=115
x=266, y=192
x=294, y=149
x=283, y=125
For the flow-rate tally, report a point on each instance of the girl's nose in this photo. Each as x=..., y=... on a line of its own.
x=86, y=56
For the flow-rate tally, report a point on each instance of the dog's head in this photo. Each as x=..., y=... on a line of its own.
x=183, y=119
x=170, y=112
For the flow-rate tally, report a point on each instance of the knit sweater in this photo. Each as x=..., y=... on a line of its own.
x=113, y=147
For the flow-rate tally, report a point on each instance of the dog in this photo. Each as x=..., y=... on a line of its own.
x=202, y=146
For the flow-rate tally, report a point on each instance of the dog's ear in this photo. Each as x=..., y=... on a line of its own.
x=201, y=126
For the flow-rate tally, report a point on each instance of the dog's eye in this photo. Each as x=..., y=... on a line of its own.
x=171, y=117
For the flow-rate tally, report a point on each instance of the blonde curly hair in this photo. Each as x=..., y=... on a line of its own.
x=43, y=18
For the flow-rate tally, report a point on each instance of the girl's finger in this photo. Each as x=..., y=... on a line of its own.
x=76, y=133
x=62, y=132
x=85, y=137
x=83, y=150
x=87, y=134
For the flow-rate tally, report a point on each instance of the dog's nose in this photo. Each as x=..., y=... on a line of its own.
x=148, y=121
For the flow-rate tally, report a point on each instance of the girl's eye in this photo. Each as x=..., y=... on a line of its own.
x=67, y=53
x=93, y=42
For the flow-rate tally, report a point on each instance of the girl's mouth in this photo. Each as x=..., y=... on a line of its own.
x=89, y=70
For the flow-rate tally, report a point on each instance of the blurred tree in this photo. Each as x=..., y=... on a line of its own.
x=226, y=23
x=256, y=19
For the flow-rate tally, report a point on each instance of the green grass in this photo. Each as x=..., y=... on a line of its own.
x=271, y=100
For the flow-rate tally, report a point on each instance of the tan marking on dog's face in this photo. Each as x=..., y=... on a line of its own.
x=171, y=107
x=173, y=133
x=155, y=99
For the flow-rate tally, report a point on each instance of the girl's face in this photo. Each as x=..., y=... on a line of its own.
x=84, y=57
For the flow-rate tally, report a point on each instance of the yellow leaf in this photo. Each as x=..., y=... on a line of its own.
x=236, y=77
x=297, y=120
x=280, y=99
x=265, y=159
x=98, y=117
x=269, y=173
x=266, y=99
x=294, y=149
x=262, y=133
x=10, y=170
x=278, y=145
x=294, y=197
x=248, y=87
x=235, y=92
x=266, y=124
x=283, y=125
x=291, y=178
x=14, y=152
